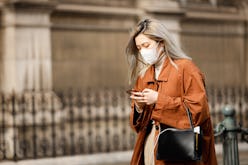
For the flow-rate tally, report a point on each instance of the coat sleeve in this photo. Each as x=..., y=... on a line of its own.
x=170, y=110
x=135, y=116
x=195, y=97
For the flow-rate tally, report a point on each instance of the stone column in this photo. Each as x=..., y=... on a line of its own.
x=244, y=62
x=26, y=46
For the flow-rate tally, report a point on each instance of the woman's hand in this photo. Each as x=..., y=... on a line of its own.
x=147, y=96
x=138, y=99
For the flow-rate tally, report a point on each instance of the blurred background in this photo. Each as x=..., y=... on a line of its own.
x=64, y=73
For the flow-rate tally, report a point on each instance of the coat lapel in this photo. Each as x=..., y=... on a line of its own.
x=149, y=76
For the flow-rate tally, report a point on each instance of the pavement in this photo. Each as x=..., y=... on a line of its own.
x=243, y=159
x=243, y=153
x=115, y=158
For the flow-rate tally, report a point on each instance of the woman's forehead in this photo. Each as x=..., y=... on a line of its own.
x=141, y=38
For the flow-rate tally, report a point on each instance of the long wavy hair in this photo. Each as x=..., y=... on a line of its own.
x=157, y=31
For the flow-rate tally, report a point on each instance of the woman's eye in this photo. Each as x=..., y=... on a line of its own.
x=146, y=45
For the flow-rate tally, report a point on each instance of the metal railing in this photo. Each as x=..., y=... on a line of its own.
x=228, y=130
x=46, y=124
x=235, y=97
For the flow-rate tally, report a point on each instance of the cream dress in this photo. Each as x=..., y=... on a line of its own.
x=149, y=147
x=150, y=141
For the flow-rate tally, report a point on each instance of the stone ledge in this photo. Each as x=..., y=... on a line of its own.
x=41, y=5
x=88, y=9
x=214, y=16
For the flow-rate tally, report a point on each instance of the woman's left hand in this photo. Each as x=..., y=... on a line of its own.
x=150, y=96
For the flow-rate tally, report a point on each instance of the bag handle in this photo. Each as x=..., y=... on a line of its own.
x=184, y=104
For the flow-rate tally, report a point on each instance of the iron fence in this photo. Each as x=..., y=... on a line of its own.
x=46, y=124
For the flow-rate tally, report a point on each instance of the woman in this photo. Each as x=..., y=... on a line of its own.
x=159, y=70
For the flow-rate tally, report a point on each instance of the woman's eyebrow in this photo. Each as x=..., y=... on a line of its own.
x=142, y=43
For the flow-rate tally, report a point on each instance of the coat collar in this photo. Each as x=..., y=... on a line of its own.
x=164, y=74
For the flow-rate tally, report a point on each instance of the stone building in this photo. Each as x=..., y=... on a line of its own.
x=61, y=44
x=55, y=45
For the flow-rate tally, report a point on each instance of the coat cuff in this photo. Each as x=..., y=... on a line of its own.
x=136, y=118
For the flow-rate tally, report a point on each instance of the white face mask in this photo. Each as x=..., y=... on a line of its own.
x=150, y=55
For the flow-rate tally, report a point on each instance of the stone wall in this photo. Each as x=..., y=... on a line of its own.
x=54, y=45
x=90, y=50
x=217, y=45
x=212, y=33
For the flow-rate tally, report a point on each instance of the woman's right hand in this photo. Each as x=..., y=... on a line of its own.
x=138, y=98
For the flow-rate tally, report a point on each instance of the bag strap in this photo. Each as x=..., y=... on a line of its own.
x=189, y=115
x=184, y=104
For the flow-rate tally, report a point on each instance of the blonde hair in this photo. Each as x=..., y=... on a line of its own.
x=157, y=31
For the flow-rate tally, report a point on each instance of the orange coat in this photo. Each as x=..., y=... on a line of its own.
x=169, y=109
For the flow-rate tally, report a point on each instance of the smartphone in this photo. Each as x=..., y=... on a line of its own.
x=130, y=91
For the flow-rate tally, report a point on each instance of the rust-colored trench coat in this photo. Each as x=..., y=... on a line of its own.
x=174, y=86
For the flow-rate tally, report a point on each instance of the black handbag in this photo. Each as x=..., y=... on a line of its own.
x=180, y=144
